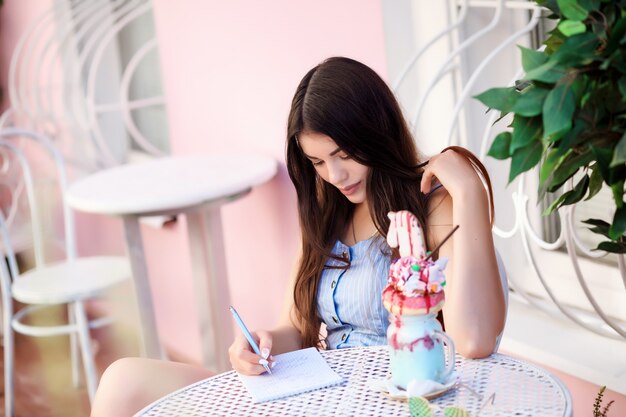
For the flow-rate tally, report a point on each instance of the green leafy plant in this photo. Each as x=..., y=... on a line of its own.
x=569, y=110
x=421, y=407
x=597, y=410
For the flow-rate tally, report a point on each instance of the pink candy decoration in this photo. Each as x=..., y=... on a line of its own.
x=405, y=232
x=412, y=273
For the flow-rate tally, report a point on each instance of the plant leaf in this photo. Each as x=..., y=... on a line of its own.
x=600, y=226
x=546, y=169
x=556, y=203
x=617, y=35
x=454, y=411
x=578, y=49
x=525, y=158
x=617, y=58
x=532, y=58
x=621, y=84
x=573, y=137
x=618, y=192
x=500, y=98
x=554, y=41
x=603, y=156
x=571, y=27
x=550, y=4
x=595, y=183
x=419, y=407
x=530, y=102
x=557, y=111
x=525, y=130
x=579, y=191
x=619, y=154
x=500, y=147
x=567, y=167
x=618, y=227
x=552, y=158
x=613, y=247
x=570, y=197
x=591, y=4
x=572, y=9
x=580, y=88
x=550, y=72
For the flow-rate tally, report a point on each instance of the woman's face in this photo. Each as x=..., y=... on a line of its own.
x=335, y=166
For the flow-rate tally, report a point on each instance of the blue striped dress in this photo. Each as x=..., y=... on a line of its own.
x=349, y=301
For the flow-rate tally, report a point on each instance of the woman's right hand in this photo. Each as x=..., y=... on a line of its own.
x=242, y=357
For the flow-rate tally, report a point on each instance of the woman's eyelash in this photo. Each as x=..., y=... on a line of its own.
x=343, y=157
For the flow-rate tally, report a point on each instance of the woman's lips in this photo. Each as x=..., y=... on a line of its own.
x=351, y=189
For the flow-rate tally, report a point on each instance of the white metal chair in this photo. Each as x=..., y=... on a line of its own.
x=71, y=282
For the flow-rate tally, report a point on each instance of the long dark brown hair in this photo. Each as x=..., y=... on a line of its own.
x=347, y=101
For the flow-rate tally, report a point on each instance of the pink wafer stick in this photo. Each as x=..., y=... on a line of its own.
x=406, y=233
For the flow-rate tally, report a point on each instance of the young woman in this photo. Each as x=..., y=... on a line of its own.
x=352, y=159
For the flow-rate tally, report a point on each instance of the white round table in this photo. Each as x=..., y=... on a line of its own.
x=516, y=387
x=196, y=186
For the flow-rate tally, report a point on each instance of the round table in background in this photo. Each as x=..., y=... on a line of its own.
x=196, y=186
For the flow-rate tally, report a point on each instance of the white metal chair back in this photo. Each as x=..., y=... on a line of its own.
x=70, y=281
x=28, y=184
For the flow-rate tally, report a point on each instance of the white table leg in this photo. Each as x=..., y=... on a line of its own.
x=151, y=347
x=208, y=263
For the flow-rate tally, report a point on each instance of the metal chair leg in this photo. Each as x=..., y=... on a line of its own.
x=74, y=350
x=9, y=367
x=86, y=349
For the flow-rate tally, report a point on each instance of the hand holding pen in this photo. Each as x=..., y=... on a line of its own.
x=244, y=360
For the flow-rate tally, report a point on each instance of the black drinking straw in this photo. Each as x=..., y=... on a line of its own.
x=442, y=242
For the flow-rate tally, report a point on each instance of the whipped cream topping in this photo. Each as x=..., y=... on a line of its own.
x=414, y=277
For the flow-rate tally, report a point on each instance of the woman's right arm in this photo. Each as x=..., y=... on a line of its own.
x=284, y=338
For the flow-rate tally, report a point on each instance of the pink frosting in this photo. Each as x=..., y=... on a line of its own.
x=412, y=276
x=416, y=282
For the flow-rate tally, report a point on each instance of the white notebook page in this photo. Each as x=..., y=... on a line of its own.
x=294, y=373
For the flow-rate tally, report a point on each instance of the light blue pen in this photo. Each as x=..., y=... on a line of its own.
x=246, y=333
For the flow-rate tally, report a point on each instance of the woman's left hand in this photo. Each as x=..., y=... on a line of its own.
x=453, y=171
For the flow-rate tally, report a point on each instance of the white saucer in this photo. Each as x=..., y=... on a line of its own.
x=430, y=389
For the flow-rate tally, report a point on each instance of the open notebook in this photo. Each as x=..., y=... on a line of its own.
x=294, y=373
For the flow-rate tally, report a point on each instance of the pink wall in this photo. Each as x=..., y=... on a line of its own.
x=14, y=18
x=229, y=71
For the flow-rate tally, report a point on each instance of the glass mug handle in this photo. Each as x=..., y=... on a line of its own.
x=451, y=353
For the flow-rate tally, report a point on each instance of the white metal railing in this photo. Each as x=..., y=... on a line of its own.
x=595, y=319
x=55, y=80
